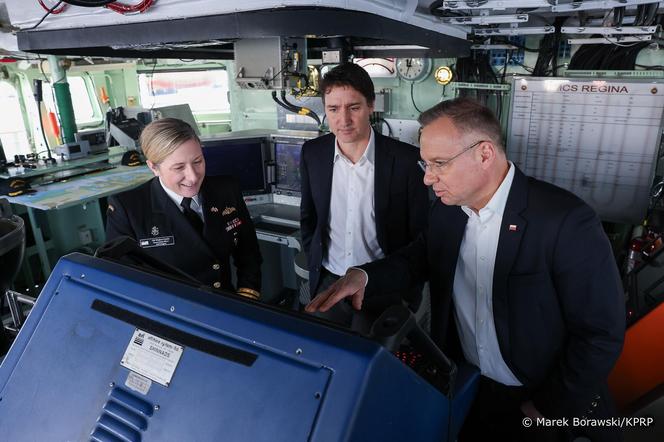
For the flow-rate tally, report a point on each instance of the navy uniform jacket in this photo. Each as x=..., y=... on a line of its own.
x=149, y=216
x=558, y=303
x=400, y=197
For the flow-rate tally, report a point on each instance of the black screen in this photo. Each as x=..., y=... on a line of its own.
x=131, y=127
x=74, y=148
x=241, y=158
x=287, y=157
x=94, y=138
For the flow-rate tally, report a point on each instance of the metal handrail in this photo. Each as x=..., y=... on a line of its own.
x=14, y=299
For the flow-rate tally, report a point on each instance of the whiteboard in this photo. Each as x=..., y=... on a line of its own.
x=596, y=138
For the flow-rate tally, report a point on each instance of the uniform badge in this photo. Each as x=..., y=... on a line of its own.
x=110, y=209
x=154, y=231
x=234, y=224
x=512, y=228
x=214, y=209
x=228, y=211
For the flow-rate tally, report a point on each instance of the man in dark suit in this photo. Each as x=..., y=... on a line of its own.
x=362, y=192
x=522, y=278
x=192, y=222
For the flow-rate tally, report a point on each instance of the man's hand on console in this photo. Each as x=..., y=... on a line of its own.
x=352, y=284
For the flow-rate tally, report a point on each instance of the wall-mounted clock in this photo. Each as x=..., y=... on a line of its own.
x=414, y=69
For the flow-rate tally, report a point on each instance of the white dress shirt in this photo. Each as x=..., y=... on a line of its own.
x=177, y=199
x=352, y=219
x=473, y=286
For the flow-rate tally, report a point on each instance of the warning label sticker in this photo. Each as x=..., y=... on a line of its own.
x=151, y=356
x=138, y=383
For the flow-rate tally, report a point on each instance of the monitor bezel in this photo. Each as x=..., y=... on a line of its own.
x=285, y=140
x=265, y=146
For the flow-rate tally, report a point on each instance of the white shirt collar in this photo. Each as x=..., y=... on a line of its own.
x=498, y=201
x=368, y=155
x=176, y=198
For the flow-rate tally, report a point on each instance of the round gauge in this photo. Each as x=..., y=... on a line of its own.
x=414, y=69
x=443, y=75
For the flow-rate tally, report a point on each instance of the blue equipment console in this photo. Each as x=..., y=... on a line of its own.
x=111, y=353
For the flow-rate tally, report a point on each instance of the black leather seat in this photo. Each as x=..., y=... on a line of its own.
x=12, y=247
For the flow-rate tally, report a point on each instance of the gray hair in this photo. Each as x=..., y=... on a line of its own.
x=468, y=117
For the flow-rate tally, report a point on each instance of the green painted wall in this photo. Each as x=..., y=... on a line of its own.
x=255, y=109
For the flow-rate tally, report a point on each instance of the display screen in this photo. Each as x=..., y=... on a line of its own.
x=74, y=148
x=242, y=159
x=287, y=157
x=94, y=138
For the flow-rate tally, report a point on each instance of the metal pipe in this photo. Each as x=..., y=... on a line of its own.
x=14, y=299
x=63, y=99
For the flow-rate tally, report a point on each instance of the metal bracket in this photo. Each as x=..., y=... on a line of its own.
x=14, y=300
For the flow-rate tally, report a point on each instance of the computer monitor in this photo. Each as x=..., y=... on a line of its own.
x=179, y=111
x=287, y=159
x=95, y=137
x=241, y=158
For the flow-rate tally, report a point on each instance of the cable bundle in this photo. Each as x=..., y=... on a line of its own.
x=477, y=69
x=113, y=5
x=607, y=57
x=300, y=110
x=122, y=8
x=548, y=51
x=616, y=56
x=57, y=9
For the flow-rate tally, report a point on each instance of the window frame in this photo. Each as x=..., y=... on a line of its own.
x=88, y=83
x=152, y=70
x=16, y=84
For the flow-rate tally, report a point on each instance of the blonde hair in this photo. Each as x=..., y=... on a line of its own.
x=162, y=137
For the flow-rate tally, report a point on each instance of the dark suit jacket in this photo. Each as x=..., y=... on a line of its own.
x=557, y=299
x=148, y=215
x=400, y=197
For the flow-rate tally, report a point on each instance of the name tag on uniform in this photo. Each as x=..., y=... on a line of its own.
x=161, y=241
x=234, y=224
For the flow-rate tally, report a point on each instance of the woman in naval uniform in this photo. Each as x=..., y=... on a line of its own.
x=193, y=222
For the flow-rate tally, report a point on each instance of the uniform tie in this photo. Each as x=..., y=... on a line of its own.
x=193, y=218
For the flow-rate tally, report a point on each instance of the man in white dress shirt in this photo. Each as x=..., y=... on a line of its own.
x=524, y=284
x=362, y=192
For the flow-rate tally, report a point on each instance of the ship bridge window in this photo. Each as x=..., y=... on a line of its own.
x=13, y=135
x=206, y=92
x=83, y=99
